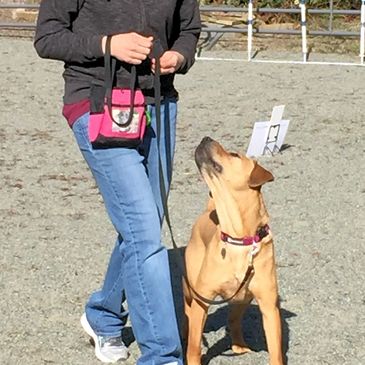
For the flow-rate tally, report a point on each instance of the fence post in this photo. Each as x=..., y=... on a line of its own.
x=249, y=30
x=330, y=26
x=303, y=24
x=362, y=32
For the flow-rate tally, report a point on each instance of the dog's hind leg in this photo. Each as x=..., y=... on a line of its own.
x=236, y=311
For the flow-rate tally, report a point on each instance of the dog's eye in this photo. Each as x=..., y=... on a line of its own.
x=234, y=154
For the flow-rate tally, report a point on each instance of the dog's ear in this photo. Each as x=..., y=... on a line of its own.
x=259, y=176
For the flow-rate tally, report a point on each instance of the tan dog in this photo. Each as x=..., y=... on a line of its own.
x=233, y=229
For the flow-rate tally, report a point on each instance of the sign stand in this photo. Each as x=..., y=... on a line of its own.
x=268, y=137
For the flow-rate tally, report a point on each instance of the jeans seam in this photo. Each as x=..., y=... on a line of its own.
x=153, y=326
x=103, y=304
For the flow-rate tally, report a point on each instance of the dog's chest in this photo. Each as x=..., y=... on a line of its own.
x=231, y=283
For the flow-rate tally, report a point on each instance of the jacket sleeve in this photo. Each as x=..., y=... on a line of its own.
x=54, y=37
x=190, y=27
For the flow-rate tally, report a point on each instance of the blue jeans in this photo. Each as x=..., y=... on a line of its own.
x=128, y=180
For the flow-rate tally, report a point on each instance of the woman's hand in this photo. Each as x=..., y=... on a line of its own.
x=170, y=62
x=132, y=47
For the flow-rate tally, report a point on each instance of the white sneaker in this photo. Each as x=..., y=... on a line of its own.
x=107, y=349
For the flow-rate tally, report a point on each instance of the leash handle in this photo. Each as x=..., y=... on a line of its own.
x=110, y=64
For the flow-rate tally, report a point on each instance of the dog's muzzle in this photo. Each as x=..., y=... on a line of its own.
x=204, y=156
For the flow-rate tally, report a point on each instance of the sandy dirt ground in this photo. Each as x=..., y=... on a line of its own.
x=56, y=239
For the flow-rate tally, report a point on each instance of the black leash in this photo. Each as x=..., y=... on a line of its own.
x=156, y=54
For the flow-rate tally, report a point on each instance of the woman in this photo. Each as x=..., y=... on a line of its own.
x=75, y=32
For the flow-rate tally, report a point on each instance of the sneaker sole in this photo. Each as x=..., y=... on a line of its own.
x=87, y=328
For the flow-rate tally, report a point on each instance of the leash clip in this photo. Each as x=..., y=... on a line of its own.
x=255, y=248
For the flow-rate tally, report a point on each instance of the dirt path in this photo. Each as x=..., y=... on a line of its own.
x=55, y=237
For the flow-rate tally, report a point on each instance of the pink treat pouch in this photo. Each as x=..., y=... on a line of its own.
x=117, y=115
x=113, y=126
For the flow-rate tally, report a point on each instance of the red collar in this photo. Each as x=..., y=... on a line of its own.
x=248, y=240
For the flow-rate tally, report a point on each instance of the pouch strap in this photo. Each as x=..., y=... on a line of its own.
x=110, y=67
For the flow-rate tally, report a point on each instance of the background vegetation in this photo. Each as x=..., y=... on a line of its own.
x=338, y=4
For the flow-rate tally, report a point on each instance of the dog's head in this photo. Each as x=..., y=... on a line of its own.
x=219, y=167
x=235, y=182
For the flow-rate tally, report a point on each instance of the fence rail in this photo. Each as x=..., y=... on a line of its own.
x=279, y=10
x=19, y=6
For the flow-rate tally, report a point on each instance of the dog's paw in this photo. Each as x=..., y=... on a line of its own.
x=238, y=349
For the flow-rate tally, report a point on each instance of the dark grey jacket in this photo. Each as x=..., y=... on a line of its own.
x=71, y=31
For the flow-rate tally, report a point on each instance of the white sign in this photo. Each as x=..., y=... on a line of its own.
x=268, y=137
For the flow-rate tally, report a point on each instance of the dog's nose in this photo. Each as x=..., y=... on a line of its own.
x=202, y=151
x=206, y=141
x=205, y=144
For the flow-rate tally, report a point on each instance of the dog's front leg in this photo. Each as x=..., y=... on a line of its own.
x=236, y=311
x=272, y=326
x=197, y=316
